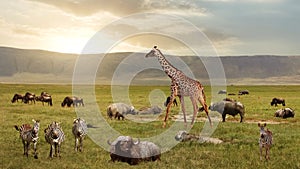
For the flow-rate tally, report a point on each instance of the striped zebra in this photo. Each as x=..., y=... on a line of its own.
x=29, y=134
x=265, y=140
x=54, y=135
x=79, y=131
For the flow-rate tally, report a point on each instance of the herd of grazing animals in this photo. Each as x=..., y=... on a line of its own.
x=46, y=98
x=124, y=149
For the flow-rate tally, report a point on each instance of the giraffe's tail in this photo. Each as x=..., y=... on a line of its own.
x=201, y=109
x=203, y=94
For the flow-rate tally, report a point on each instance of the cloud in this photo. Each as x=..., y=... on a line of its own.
x=233, y=26
x=25, y=30
x=90, y=7
x=122, y=7
x=245, y=1
x=17, y=28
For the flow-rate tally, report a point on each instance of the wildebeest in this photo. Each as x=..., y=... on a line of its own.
x=265, y=140
x=75, y=101
x=44, y=97
x=79, y=131
x=168, y=100
x=150, y=110
x=228, y=107
x=29, y=97
x=118, y=110
x=243, y=92
x=45, y=94
x=276, y=101
x=126, y=150
x=67, y=101
x=16, y=98
x=285, y=113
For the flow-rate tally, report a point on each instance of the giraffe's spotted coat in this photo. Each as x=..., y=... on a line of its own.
x=181, y=86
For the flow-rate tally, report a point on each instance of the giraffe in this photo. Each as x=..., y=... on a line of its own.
x=181, y=86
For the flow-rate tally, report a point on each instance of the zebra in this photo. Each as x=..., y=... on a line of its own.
x=29, y=134
x=265, y=140
x=79, y=131
x=54, y=135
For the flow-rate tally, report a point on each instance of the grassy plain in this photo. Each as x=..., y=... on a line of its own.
x=239, y=150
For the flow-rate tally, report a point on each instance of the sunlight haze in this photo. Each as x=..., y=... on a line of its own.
x=249, y=27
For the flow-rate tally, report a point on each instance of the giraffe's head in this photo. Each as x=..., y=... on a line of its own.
x=153, y=53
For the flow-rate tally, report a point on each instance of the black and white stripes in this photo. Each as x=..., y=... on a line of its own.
x=265, y=140
x=79, y=130
x=54, y=135
x=28, y=135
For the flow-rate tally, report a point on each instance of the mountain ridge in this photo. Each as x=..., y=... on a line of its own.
x=32, y=65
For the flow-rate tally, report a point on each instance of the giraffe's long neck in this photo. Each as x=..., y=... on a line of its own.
x=169, y=69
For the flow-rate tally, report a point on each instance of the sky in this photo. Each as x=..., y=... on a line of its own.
x=231, y=27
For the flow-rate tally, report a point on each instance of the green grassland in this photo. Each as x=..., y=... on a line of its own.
x=239, y=149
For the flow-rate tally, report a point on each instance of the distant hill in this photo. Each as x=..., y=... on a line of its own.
x=38, y=66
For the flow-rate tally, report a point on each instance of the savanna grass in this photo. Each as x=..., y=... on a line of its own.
x=239, y=150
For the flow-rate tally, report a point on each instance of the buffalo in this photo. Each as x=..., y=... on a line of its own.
x=118, y=110
x=124, y=149
x=285, y=113
x=228, y=107
x=150, y=110
x=16, y=98
x=276, y=101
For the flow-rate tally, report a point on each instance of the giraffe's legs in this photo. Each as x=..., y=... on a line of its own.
x=174, y=92
x=203, y=103
x=183, y=108
x=172, y=97
x=195, y=107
